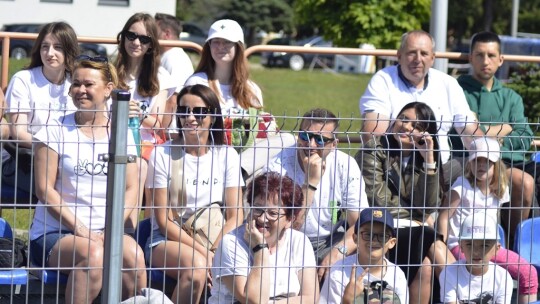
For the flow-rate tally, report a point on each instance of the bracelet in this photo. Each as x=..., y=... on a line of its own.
x=259, y=247
x=432, y=166
x=311, y=187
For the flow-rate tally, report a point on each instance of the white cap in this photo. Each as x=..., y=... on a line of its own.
x=479, y=226
x=226, y=29
x=485, y=147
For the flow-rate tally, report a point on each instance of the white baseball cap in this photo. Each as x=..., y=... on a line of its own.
x=485, y=147
x=479, y=226
x=226, y=29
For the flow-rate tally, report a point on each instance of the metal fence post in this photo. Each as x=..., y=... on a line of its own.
x=116, y=188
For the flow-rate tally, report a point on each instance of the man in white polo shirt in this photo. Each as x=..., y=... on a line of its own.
x=413, y=79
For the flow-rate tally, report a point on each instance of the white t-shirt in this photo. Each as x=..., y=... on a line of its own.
x=81, y=177
x=340, y=275
x=472, y=200
x=208, y=176
x=179, y=66
x=386, y=94
x=30, y=92
x=341, y=184
x=148, y=103
x=458, y=285
x=229, y=104
x=234, y=258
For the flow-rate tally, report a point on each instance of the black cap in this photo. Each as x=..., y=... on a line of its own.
x=371, y=215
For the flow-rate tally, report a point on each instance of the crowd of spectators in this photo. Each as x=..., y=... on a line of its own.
x=240, y=214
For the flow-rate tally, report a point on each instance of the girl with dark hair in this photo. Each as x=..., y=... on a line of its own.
x=185, y=176
x=138, y=65
x=265, y=260
x=39, y=93
x=401, y=171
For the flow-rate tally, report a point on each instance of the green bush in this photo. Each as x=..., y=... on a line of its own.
x=526, y=82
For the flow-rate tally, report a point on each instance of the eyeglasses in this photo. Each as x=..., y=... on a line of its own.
x=378, y=237
x=131, y=36
x=270, y=215
x=319, y=139
x=99, y=59
x=198, y=112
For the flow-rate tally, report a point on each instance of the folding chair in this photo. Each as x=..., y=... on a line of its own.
x=12, y=277
x=527, y=241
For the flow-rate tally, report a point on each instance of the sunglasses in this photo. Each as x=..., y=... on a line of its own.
x=198, y=112
x=99, y=59
x=131, y=36
x=319, y=139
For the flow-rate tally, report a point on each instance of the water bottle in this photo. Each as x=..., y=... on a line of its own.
x=134, y=125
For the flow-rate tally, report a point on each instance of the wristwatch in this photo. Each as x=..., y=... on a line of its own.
x=342, y=249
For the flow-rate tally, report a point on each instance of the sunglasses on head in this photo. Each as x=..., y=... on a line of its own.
x=99, y=59
x=319, y=139
x=198, y=112
x=131, y=36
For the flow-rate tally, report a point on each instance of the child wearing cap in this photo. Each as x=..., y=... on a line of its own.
x=474, y=278
x=368, y=274
x=484, y=188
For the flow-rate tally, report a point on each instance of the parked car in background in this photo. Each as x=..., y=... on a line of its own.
x=192, y=32
x=20, y=48
x=297, y=61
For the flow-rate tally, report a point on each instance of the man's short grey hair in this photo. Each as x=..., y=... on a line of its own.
x=416, y=32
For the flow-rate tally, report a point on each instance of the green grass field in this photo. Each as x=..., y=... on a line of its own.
x=287, y=95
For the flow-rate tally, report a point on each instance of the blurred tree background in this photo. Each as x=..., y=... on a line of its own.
x=349, y=23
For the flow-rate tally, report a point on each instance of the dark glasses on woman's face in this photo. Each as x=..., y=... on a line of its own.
x=198, y=112
x=319, y=139
x=131, y=36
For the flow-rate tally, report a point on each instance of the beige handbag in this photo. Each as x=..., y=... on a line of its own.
x=206, y=224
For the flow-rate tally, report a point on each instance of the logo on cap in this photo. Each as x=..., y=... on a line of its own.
x=377, y=213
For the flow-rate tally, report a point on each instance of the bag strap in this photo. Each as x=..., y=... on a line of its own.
x=177, y=193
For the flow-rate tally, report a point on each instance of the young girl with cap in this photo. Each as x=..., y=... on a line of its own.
x=225, y=70
x=484, y=188
x=478, y=279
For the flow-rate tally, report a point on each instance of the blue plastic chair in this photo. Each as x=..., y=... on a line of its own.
x=527, y=241
x=17, y=276
x=144, y=230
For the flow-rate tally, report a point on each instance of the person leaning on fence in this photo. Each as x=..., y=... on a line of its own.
x=484, y=188
x=501, y=115
x=413, y=79
x=368, y=276
x=265, y=259
x=474, y=278
x=37, y=95
x=225, y=70
x=67, y=231
x=332, y=185
x=185, y=177
x=401, y=171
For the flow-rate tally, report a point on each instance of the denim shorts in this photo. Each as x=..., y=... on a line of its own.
x=155, y=239
x=40, y=248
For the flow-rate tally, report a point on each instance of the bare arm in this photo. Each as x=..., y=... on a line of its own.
x=234, y=212
x=309, y=288
x=374, y=124
x=470, y=132
x=450, y=204
x=18, y=129
x=132, y=191
x=170, y=111
x=167, y=226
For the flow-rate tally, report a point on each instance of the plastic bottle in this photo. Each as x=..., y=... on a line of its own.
x=134, y=125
